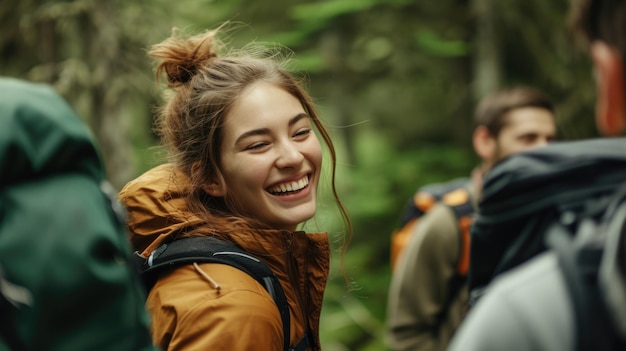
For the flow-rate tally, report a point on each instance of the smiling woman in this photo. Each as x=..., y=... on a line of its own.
x=246, y=163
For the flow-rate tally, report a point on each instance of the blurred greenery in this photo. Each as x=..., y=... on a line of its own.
x=396, y=81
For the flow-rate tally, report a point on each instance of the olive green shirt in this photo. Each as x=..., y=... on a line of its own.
x=421, y=283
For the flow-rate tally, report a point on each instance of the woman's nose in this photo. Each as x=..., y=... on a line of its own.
x=289, y=156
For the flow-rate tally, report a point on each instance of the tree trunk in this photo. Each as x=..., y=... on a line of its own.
x=109, y=104
x=487, y=60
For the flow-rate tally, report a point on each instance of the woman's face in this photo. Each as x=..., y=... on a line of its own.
x=271, y=158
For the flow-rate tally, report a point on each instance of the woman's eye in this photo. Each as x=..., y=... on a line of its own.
x=256, y=146
x=303, y=132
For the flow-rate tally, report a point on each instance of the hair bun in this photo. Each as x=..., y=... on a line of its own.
x=181, y=58
x=178, y=74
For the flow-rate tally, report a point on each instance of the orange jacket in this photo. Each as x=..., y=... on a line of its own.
x=189, y=311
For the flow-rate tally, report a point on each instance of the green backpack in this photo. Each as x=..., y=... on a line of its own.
x=66, y=282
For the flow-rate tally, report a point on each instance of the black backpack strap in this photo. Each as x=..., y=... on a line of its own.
x=561, y=241
x=580, y=269
x=213, y=250
x=303, y=344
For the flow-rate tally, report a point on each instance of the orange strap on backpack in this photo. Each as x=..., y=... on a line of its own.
x=455, y=195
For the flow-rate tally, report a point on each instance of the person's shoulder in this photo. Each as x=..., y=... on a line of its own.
x=158, y=179
x=531, y=288
x=528, y=307
x=207, y=281
x=190, y=289
x=435, y=236
x=542, y=268
x=220, y=309
x=439, y=219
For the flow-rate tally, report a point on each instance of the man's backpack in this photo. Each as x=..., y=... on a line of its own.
x=529, y=194
x=454, y=194
x=203, y=249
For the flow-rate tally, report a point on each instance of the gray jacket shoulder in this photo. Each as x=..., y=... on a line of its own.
x=526, y=309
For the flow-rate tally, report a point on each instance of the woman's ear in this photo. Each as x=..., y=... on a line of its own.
x=215, y=187
x=484, y=145
x=611, y=96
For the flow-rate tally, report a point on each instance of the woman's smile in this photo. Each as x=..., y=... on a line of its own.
x=290, y=187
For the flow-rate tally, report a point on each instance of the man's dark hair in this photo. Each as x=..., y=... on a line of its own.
x=492, y=110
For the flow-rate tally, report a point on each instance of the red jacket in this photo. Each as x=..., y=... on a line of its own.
x=188, y=311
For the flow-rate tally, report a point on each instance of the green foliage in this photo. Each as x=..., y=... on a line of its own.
x=433, y=44
x=355, y=319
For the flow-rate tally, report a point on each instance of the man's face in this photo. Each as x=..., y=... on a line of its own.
x=525, y=128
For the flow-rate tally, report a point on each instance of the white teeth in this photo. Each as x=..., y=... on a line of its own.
x=291, y=186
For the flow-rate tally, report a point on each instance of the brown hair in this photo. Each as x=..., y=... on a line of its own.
x=492, y=109
x=204, y=85
x=600, y=20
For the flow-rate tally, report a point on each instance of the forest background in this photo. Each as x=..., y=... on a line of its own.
x=396, y=80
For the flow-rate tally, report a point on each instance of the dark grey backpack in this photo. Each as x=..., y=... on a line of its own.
x=548, y=199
